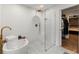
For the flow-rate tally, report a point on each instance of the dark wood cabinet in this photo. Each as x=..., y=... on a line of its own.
x=74, y=32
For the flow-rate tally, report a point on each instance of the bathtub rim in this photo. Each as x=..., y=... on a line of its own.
x=5, y=49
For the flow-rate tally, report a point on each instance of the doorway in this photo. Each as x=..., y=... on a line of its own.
x=70, y=28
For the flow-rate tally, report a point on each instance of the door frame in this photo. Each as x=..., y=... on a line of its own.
x=58, y=24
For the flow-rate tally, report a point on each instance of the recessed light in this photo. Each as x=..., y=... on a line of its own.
x=41, y=6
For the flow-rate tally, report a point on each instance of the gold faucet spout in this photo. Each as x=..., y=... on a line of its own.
x=3, y=29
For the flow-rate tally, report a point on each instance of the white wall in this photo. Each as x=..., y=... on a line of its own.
x=18, y=17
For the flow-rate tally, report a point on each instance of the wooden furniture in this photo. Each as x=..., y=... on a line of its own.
x=74, y=32
x=73, y=21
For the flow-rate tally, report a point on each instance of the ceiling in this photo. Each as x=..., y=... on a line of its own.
x=43, y=6
x=47, y=6
x=74, y=9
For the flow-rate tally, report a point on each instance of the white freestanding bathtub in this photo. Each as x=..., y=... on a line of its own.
x=16, y=47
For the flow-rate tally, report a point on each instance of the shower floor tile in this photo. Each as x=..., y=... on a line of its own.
x=37, y=47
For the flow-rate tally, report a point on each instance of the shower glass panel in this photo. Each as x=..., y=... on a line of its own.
x=42, y=30
x=70, y=28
